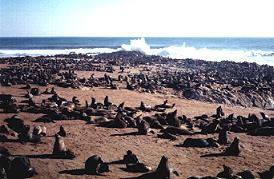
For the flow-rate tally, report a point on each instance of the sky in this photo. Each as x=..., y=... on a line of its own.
x=137, y=18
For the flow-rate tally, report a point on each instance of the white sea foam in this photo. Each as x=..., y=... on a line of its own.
x=179, y=51
x=183, y=51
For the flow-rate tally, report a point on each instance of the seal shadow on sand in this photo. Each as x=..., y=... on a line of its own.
x=44, y=156
x=129, y=171
x=222, y=154
x=74, y=172
x=80, y=171
x=127, y=134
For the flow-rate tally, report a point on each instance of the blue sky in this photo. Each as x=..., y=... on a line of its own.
x=139, y=18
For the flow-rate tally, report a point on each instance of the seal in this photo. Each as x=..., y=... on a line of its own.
x=246, y=174
x=21, y=168
x=143, y=127
x=62, y=132
x=165, y=105
x=192, y=142
x=60, y=150
x=5, y=164
x=222, y=139
x=176, y=131
x=226, y=173
x=172, y=119
x=210, y=128
x=107, y=103
x=264, y=131
x=130, y=158
x=233, y=149
x=138, y=167
x=94, y=165
x=268, y=174
x=162, y=172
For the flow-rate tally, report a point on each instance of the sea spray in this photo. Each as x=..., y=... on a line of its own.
x=183, y=51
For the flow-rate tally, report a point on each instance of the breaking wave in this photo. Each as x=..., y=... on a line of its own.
x=183, y=51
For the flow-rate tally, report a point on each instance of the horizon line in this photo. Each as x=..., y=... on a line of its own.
x=136, y=36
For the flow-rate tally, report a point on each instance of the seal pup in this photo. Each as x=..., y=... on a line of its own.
x=94, y=165
x=233, y=149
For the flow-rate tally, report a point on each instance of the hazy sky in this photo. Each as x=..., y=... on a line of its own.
x=141, y=18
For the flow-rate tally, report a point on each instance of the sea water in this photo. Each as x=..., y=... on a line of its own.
x=259, y=50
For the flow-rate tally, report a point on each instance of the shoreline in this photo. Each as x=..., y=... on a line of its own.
x=21, y=53
x=210, y=49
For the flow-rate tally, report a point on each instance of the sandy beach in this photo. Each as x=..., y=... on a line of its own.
x=85, y=140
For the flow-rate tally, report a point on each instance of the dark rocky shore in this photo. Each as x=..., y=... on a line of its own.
x=226, y=82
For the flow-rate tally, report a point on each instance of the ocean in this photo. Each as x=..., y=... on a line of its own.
x=259, y=50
